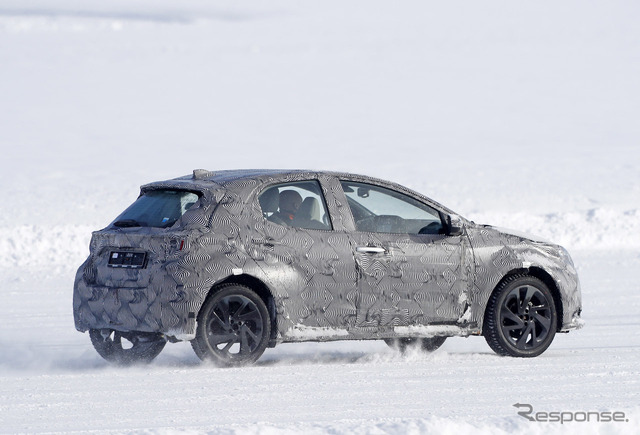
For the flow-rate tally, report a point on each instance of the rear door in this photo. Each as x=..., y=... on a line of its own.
x=307, y=256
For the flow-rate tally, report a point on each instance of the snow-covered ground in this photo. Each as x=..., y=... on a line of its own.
x=520, y=115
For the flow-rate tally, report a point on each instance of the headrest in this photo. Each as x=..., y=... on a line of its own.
x=269, y=200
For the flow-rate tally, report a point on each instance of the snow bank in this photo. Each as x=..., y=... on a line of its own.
x=60, y=247
x=599, y=228
x=65, y=247
x=505, y=426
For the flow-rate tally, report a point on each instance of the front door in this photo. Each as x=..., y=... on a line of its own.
x=410, y=272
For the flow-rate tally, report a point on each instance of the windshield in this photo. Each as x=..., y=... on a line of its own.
x=157, y=208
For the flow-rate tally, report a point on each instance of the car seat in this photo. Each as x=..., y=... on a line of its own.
x=308, y=215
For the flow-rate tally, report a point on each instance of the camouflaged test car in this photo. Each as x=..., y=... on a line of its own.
x=236, y=261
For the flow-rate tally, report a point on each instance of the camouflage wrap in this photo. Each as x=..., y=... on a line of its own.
x=316, y=282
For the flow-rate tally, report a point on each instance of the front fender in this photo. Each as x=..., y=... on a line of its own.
x=498, y=254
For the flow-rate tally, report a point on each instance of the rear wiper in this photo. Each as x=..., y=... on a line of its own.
x=127, y=223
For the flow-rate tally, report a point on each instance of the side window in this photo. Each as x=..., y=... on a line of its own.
x=376, y=209
x=298, y=204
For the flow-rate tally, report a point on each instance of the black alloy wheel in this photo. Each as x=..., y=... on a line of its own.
x=233, y=327
x=521, y=318
x=127, y=347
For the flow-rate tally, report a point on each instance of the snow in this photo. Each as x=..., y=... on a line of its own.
x=517, y=115
x=430, y=330
x=302, y=332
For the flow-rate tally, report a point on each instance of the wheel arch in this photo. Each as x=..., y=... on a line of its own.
x=546, y=278
x=261, y=289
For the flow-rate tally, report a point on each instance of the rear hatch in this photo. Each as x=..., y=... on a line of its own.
x=127, y=258
x=141, y=239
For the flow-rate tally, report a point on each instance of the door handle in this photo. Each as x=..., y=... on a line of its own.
x=269, y=242
x=370, y=250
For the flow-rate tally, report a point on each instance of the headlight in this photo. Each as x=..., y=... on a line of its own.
x=564, y=255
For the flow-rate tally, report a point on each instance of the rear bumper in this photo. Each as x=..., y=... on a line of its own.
x=162, y=306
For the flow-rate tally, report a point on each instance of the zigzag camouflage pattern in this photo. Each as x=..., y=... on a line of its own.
x=315, y=282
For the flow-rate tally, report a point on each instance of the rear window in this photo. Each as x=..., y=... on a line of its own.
x=157, y=208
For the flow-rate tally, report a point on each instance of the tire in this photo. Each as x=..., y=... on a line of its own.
x=521, y=318
x=424, y=344
x=137, y=347
x=233, y=327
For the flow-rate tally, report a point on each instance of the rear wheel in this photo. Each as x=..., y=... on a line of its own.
x=233, y=327
x=521, y=317
x=406, y=344
x=127, y=347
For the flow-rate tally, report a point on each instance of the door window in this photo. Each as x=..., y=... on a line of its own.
x=377, y=209
x=297, y=204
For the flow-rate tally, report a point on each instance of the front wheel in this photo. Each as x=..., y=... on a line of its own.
x=521, y=317
x=127, y=347
x=233, y=327
x=406, y=343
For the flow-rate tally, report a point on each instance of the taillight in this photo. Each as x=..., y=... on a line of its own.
x=176, y=245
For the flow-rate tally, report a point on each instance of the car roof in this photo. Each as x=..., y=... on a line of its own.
x=230, y=175
x=205, y=177
x=203, y=180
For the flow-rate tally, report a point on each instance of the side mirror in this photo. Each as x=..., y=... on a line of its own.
x=454, y=225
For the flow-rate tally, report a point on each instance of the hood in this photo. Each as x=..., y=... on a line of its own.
x=521, y=234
